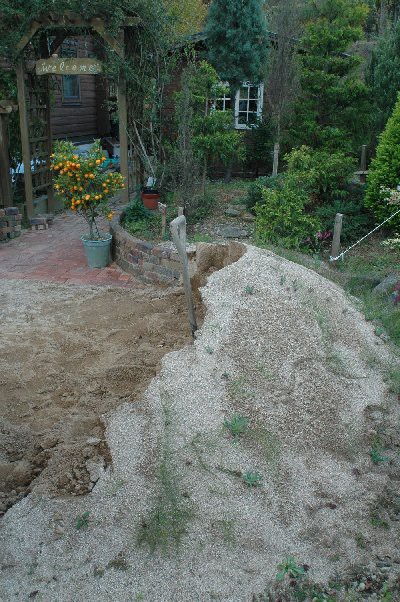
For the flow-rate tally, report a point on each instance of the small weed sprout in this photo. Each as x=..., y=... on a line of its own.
x=290, y=567
x=378, y=522
x=209, y=350
x=237, y=426
x=376, y=456
x=249, y=290
x=376, y=451
x=82, y=521
x=252, y=479
x=360, y=541
x=282, y=281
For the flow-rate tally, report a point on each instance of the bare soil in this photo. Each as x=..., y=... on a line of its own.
x=68, y=356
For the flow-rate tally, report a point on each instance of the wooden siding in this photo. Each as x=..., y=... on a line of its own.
x=79, y=119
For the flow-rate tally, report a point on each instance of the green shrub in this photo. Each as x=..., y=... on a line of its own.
x=357, y=219
x=254, y=193
x=281, y=218
x=384, y=170
x=326, y=172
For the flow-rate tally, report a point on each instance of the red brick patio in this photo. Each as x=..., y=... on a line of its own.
x=56, y=255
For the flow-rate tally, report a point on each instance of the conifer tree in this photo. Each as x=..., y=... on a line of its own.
x=237, y=39
x=384, y=171
x=333, y=108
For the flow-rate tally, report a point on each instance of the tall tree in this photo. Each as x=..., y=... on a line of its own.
x=333, y=107
x=384, y=171
x=283, y=73
x=384, y=75
x=237, y=39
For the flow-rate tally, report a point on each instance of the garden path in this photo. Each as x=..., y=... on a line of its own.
x=56, y=255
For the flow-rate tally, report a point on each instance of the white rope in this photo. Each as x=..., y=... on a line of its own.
x=341, y=256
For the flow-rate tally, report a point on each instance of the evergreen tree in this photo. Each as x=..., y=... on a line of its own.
x=384, y=171
x=384, y=75
x=333, y=107
x=237, y=40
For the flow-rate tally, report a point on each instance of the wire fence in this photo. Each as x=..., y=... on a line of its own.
x=341, y=256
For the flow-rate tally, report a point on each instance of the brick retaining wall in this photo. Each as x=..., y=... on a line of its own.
x=152, y=262
x=10, y=223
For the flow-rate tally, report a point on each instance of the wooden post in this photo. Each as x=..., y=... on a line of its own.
x=163, y=210
x=5, y=180
x=336, y=235
x=26, y=152
x=276, y=160
x=178, y=231
x=363, y=164
x=123, y=126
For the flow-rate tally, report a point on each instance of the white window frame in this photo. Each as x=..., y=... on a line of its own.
x=259, y=99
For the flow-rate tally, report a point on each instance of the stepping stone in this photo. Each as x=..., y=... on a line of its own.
x=248, y=217
x=232, y=212
x=233, y=232
x=387, y=284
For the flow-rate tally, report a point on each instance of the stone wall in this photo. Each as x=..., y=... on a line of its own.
x=10, y=223
x=150, y=261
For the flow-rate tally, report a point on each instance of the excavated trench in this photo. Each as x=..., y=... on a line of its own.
x=71, y=355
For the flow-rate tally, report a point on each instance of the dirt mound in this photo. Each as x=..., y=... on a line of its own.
x=68, y=356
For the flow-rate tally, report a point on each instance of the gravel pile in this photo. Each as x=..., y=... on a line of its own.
x=287, y=351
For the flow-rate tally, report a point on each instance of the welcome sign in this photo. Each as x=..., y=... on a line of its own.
x=70, y=66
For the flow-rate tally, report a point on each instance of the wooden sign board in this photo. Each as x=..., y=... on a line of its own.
x=71, y=66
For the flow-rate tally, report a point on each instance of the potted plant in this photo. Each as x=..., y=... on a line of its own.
x=150, y=195
x=87, y=189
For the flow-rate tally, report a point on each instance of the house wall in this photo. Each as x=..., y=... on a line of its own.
x=86, y=118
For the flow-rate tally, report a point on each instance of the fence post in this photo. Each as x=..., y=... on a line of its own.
x=336, y=235
x=178, y=231
x=163, y=210
x=276, y=160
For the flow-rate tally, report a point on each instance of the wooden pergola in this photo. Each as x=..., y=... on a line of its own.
x=6, y=108
x=36, y=146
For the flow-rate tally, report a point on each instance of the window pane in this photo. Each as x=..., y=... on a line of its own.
x=252, y=117
x=242, y=119
x=219, y=104
x=253, y=106
x=71, y=86
x=228, y=104
x=244, y=92
x=254, y=92
x=242, y=105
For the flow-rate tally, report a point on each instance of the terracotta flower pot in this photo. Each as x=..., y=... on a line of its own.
x=150, y=200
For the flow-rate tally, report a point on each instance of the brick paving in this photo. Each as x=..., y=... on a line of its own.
x=57, y=255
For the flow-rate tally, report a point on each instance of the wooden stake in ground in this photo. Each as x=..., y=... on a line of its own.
x=336, y=235
x=163, y=210
x=178, y=231
x=276, y=160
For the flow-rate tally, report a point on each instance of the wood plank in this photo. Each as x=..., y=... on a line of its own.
x=117, y=46
x=68, y=66
x=123, y=126
x=23, y=120
x=26, y=38
x=5, y=180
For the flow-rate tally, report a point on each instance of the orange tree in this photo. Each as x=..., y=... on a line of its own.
x=83, y=183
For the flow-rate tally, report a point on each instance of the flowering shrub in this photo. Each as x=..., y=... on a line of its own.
x=84, y=185
x=317, y=242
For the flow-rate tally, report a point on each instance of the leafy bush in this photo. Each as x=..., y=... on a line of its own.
x=254, y=193
x=326, y=172
x=141, y=222
x=357, y=220
x=281, y=217
x=384, y=171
